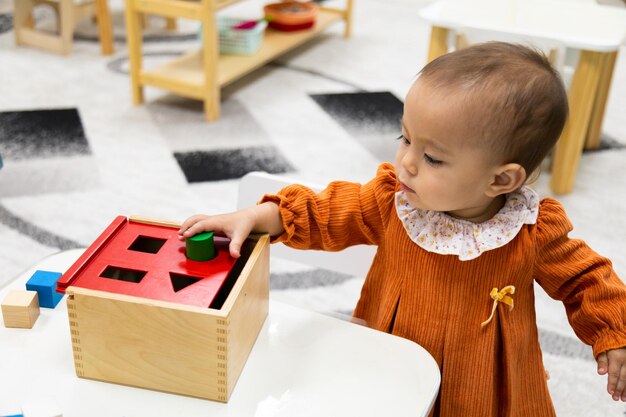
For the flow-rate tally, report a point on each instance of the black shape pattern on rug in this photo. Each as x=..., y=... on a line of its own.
x=35, y=232
x=42, y=133
x=6, y=22
x=225, y=164
x=363, y=112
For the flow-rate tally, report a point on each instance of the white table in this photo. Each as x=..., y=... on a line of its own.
x=597, y=31
x=303, y=364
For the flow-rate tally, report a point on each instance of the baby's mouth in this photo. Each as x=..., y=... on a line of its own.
x=406, y=189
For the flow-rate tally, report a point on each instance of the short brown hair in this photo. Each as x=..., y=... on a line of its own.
x=524, y=97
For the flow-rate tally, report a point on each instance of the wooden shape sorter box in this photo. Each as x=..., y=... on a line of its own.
x=142, y=314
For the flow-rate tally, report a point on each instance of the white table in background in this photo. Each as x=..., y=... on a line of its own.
x=303, y=364
x=596, y=30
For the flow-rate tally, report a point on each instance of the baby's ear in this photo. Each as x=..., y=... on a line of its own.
x=507, y=178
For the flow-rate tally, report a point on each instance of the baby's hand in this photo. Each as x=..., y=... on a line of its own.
x=237, y=226
x=614, y=362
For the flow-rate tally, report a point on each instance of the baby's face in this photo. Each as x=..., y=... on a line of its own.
x=440, y=162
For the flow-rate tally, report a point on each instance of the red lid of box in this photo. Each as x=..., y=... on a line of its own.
x=148, y=261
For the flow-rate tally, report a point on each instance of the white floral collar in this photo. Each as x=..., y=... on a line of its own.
x=441, y=233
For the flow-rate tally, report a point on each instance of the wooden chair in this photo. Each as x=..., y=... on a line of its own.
x=68, y=13
x=353, y=261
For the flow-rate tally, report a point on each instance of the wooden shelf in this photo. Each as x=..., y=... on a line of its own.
x=201, y=74
x=186, y=9
x=185, y=75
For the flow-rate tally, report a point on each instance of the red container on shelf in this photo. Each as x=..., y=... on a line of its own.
x=288, y=16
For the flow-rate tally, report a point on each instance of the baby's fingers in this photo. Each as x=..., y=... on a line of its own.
x=190, y=222
x=204, y=224
x=617, y=381
x=616, y=359
x=603, y=365
x=236, y=241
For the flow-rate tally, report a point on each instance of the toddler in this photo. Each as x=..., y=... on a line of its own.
x=460, y=238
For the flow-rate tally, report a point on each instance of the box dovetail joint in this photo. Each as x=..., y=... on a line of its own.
x=75, y=335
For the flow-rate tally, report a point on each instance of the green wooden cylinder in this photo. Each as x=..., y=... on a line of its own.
x=200, y=247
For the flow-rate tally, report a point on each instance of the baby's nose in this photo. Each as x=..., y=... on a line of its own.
x=409, y=164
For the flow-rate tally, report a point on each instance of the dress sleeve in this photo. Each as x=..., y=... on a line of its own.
x=342, y=215
x=570, y=271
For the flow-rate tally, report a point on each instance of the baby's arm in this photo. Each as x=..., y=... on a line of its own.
x=614, y=362
x=593, y=295
x=263, y=218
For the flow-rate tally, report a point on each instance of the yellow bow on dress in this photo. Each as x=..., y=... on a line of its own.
x=500, y=296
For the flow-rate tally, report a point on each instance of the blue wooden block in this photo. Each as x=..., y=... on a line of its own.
x=45, y=283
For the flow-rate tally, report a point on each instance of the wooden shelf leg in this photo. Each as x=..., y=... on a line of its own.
x=145, y=22
x=599, y=105
x=210, y=57
x=134, y=41
x=581, y=97
x=67, y=21
x=348, y=18
x=170, y=24
x=438, y=43
x=23, y=17
x=105, y=26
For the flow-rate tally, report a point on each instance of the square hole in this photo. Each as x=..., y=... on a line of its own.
x=147, y=244
x=123, y=274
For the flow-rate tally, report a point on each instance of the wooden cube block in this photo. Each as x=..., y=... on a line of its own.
x=20, y=309
x=167, y=340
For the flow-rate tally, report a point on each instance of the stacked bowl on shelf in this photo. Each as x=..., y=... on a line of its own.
x=289, y=16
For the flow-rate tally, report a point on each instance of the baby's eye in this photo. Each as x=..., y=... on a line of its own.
x=403, y=139
x=432, y=161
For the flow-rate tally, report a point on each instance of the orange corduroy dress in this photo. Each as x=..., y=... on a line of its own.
x=440, y=301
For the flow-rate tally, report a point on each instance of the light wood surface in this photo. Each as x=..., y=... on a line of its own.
x=248, y=305
x=155, y=222
x=581, y=99
x=68, y=14
x=126, y=341
x=201, y=74
x=599, y=105
x=20, y=309
x=438, y=42
x=134, y=43
x=169, y=347
x=185, y=75
x=105, y=26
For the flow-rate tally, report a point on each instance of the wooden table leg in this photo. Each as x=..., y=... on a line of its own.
x=597, y=116
x=438, y=42
x=134, y=41
x=105, y=26
x=581, y=98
